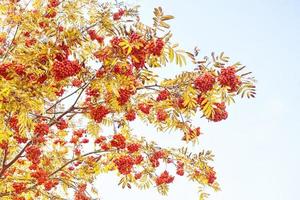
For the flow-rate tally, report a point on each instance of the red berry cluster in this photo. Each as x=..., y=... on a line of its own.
x=118, y=141
x=40, y=175
x=130, y=115
x=94, y=36
x=155, y=47
x=19, y=187
x=92, y=92
x=4, y=70
x=179, y=103
x=11, y=67
x=51, y=13
x=33, y=154
x=76, y=82
x=62, y=124
x=145, y=108
x=41, y=129
x=80, y=193
x=134, y=147
x=49, y=184
x=154, y=159
x=211, y=176
x=64, y=69
x=161, y=115
x=124, y=70
x=100, y=140
x=229, y=78
x=205, y=82
x=164, y=178
x=124, y=164
x=180, y=168
x=219, y=112
x=98, y=113
x=77, y=134
x=163, y=95
x=53, y=3
x=118, y=15
x=191, y=134
x=13, y=123
x=124, y=96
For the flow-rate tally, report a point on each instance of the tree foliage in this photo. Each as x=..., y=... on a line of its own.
x=65, y=61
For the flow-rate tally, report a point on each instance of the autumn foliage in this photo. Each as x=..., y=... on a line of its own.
x=74, y=75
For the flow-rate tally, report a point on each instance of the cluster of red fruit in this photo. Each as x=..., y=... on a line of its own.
x=118, y=141
x=155, y=47
x=154, y=159
x=118, y=15
x=19, y=187
x=6, y=68
x=191, y=134
x=80, y=193
x=94, y=36
x=62, y=124
x=42, y=178
x=13, y=124
x=98, y=113
x=163, y=95
x=125, y=163
x=33, y=154
x=64, y=69
x=126, y=70
x=180, y=168
x=219, y=112
x=77, y=134
x=211, y=176
x=164, y=178
x=40, y=131
x=130, y=115
x=205, y=82
x=124, y=96
x=161, y=115
x=229, y=78
x=53, y=3
x=145, y=108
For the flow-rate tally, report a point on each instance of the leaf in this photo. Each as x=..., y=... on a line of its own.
x=167, y=17
x=37, y=4
x=171, y=54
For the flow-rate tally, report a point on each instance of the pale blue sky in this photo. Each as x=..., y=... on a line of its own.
x=257, y=149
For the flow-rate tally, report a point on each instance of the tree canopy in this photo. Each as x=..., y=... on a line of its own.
x=74, y=74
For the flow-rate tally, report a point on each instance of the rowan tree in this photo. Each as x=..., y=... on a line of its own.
x=74, y=74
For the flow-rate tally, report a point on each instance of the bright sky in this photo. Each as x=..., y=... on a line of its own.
x=257, y=149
